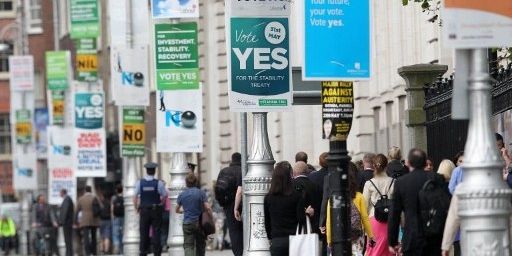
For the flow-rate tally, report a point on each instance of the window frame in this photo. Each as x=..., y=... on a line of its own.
x=4, y=74
x=28, y=7
x=5, y=131
x=11, y=13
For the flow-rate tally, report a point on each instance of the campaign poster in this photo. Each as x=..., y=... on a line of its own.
x=84, y=18
x=176, y=55
x=58, y=70
x=477, y=24
x=60, y=164
x=337, y=40
x=129, y=76
x=41, y=122
x=89, y=147
x=174, y=9
x=57, y=103
x=337, y=109
x=23, y=126
x=25, y=170
x=260, y=8
x=179, y=117
x=259, y=70
x=21, y=73
x=134, y=132
x=89, y=110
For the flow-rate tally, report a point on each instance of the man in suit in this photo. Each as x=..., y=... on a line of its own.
x=367, y=173
x=67, y=208
x=88, y=220
x=405, y=199
x=311, y=193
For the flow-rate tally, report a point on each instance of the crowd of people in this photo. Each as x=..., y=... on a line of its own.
x=399, y=206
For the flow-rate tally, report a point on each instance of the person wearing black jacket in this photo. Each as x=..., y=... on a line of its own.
x=367, y=173
x=395, y=167
x=283, y=208
x=311, y=193
x=317, y=177
x=405, y=199
x=67, y=209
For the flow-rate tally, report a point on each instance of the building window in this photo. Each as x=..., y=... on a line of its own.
x=4, y=55
x=5, y=135
x=33, y=13
x=6, y=5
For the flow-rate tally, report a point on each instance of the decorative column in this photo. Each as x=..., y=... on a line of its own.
x=484, y=198
x=178, y=173
x=131, y=236
x=416, y=77
x=25, y=223
x=256, y=185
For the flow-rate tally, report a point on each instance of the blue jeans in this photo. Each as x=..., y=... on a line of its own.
x=117, y=234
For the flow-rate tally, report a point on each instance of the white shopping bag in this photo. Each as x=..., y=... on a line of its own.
x=305, y=243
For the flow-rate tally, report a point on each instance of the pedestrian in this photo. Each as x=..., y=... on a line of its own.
x=360, y=223
x=7, y=234
x=406, y=199
x=303, y=157
x=429, y=167
x=367, y=172
x=283, y=209
x=150, y=195
x=395, y=166
x=225, y=193
x=192, y=202
x=44, y=222
x=446, y=168
x=166, y=214
x=105, y=224
x=376, y=193
x=88, y=211
x=118, y=220
x=311, y=194
x=67, y=209
x=458, y=158
x=318, y=178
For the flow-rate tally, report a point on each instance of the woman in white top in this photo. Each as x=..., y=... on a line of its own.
x=379, y=187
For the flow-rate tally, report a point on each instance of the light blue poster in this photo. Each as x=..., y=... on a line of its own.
x=174, y=9
x=337, y=40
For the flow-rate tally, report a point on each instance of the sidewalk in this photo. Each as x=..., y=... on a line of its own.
x=219, y=253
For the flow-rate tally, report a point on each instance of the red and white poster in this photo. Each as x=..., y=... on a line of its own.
x=21, y=73
x=60, y=164
x=89, y=152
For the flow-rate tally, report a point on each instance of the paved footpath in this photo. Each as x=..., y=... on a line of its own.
x=219, y=253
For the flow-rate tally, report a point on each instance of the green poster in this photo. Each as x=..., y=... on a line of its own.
x=85, y=21
x=23, y=126
x=133, y=140
x=57, y=70
x=86, y=44
x=86, y=60
x=176, y=54
x=57, y=107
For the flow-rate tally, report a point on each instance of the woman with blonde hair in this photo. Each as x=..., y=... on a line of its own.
x=446, y=168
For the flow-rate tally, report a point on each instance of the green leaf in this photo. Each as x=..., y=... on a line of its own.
x=405, y=2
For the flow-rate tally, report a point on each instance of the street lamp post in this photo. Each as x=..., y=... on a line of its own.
x=256, y=186
x=179, y=171
x=484, y=198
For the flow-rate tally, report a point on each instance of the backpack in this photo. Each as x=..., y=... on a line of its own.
x=105, y=210
x=96, y=208
x=356, y=230
x=225, y=188
x=383, y=205
x=118, y=205
x=434, y=202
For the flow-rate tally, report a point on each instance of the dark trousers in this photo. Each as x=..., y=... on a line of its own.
x=89, y=240
x=68, y=239
x=432, y=247
x=236, y=234
x=150, y=217
x=194, y=241
x=280, y=246
x=7, y=244
x=456, y=248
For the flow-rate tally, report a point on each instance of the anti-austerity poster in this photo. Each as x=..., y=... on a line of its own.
x=337, y=109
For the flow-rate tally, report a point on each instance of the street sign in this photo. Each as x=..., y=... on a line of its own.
x=58, y=70
x=259, y=67
x=337, y=109
x=134, y=132
x=176, y=55
x=337, y=40
x=85, y=19
x=477, y=24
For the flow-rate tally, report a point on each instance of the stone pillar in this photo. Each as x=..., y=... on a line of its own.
x=484, y=198
x=416, y=77
x=178, y=173
x=256, y=186
x=25, y=223
x=131, y=236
